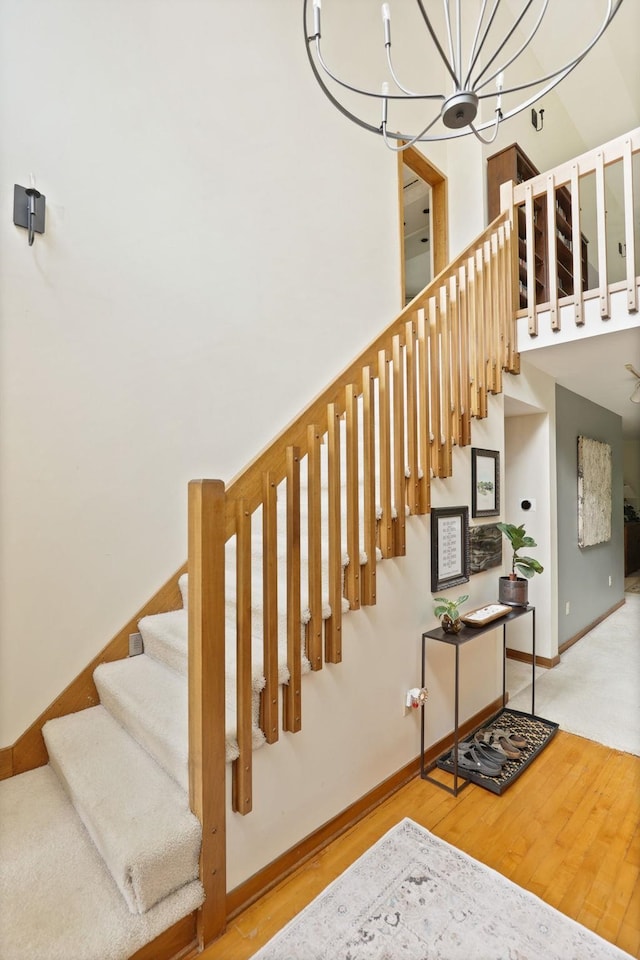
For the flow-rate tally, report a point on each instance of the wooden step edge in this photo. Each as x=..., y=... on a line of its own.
x=6, y=762
x=176, y=943
x=29, y=751
x=264, y=880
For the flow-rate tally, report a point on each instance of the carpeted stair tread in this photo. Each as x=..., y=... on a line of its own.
x=165, y=638
x=137, y=816
x=150, y=701
x=57, y=900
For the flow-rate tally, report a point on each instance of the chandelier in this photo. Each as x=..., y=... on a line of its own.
x=478, y=54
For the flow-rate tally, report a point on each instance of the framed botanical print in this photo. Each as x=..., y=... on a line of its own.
x=485, y=483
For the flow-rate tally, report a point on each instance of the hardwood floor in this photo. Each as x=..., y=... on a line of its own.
x=567, y=830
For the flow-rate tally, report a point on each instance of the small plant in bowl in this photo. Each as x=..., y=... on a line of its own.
x=513, y=589
x=449, y=613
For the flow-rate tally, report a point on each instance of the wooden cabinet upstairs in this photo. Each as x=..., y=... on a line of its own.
x=513, y=164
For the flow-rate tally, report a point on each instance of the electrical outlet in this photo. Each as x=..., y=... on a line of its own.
x=136, y=647
x=567, y=608
x=610, y=580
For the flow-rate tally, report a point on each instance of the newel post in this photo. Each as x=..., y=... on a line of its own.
x=207, y=766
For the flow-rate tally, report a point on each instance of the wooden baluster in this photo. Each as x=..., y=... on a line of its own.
x=435, y=385
x=413, y=485
x=369, y=483
x=352, y=577
x=512, y=289
x=292, y=693
x=399, y=466
x=206, y=681
x=497, y=264
x=314, y=627
x=269, y=697
x=472, y=304
x=333, y=626
x=454, y=361
x=508, y=321
x=445, y=382
x=241, y=775
x=465, y=375
x=384, y=439
x=628, y=207
x=480, y=334
x=532, y=293
x=576, y=243
x=489, y=308
x=424, y=411
x=601, y=217
x=552, y=254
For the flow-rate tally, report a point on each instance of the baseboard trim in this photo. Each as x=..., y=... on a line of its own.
x=578, y=636
x=6, y=762
x=176, y=943
x=29, y=751
x=264, y=880
x=523, y=657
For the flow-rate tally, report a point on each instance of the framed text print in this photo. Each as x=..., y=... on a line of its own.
x=449, y=547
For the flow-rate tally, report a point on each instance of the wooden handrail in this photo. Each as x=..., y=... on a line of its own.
x=247, y=484
x=398, y=409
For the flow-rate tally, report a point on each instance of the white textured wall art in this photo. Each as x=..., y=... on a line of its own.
x=594, y=492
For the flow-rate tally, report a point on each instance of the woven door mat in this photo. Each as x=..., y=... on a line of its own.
x=535, y=730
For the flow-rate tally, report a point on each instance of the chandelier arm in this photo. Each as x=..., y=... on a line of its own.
x=475, y=40
x=447, y=17
x=488, y=140
x=330, y=97
x=400, y=136
x=367, y=93
x=459, y=25
x=395, y=79
x=567, y=66
x=437, y=43
x=482, y=41
x=475, y=84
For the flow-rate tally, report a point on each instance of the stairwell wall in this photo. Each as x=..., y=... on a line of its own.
x=355, y=730
x=219, y=242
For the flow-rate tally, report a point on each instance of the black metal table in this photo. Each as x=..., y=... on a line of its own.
x=456, y=640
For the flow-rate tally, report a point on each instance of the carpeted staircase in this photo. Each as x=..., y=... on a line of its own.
x=99, y=849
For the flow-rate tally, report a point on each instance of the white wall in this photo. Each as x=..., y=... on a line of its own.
x=531, y=474
x=219, y=243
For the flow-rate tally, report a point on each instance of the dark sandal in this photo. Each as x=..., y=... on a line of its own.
x=470, y=759
x=503, y=745
x=486, y=750
x=513, y=738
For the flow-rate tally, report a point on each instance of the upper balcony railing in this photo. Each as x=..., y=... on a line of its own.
x=578, y=230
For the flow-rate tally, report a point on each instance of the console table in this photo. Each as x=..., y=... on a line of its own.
x=456, y=640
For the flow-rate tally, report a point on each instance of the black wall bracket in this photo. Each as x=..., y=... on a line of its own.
x=28, y=209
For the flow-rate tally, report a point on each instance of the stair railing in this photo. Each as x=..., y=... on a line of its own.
x=347, y=469
x=553, y=253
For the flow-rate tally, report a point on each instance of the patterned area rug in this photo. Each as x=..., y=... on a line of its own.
x=413, y=895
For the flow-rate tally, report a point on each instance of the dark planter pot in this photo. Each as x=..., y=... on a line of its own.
x=449, y=625
x=515, y=593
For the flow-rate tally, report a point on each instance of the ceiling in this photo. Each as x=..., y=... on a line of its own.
x=602, y=99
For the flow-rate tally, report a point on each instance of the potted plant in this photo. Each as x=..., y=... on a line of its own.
x=514, y=590
x=449, y=613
